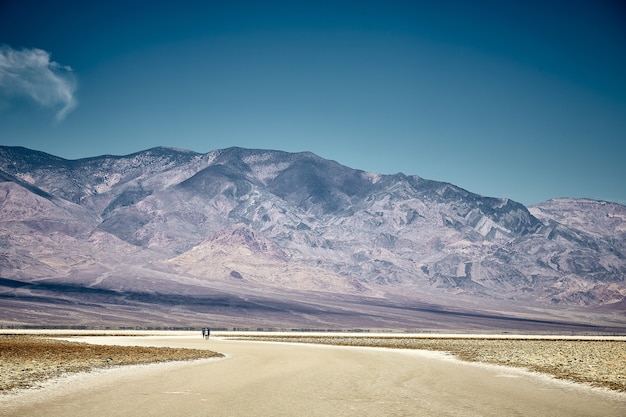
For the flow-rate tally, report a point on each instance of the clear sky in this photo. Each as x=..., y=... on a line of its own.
x=518, y=99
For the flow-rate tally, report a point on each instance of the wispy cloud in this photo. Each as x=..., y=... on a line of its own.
x=30, y=73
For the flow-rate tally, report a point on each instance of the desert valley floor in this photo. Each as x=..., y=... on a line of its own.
x=307, y=379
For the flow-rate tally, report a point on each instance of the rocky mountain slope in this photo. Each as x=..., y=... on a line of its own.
x=239, y=221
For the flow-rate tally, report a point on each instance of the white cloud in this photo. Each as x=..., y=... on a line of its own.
x=30, y=73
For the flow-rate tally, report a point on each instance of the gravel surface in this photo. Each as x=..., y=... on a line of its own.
x=601, y=363
x=26, y=361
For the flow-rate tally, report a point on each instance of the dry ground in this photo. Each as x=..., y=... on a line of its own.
x=601, y=363
x=25, y=361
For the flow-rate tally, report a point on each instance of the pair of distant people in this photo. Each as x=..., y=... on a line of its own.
x=206, y=332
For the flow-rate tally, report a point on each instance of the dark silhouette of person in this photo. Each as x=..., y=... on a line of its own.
x=208, y=332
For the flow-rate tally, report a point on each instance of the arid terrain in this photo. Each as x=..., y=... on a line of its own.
x=598, y=362
x=270, y=239
x=27, y=360
x=275, y=378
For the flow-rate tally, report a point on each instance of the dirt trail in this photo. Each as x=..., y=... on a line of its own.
x=273, y=379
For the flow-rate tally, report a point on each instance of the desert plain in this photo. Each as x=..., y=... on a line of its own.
x=263, y=374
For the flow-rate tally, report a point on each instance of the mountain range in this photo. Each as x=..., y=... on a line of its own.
x=270, y=239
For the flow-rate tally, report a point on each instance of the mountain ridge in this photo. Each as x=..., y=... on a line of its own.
x=324, y=228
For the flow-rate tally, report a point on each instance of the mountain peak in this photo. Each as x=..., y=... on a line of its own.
x=324, y=225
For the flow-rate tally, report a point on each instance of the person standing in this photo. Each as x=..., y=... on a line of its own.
x=208, y=333
x=203, y=332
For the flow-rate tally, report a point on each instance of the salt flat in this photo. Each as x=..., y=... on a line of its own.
x=279, y=379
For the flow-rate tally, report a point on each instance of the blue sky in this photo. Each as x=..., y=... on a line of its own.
x=517, y=99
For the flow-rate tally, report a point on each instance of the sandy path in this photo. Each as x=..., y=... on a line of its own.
x=272, y=379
